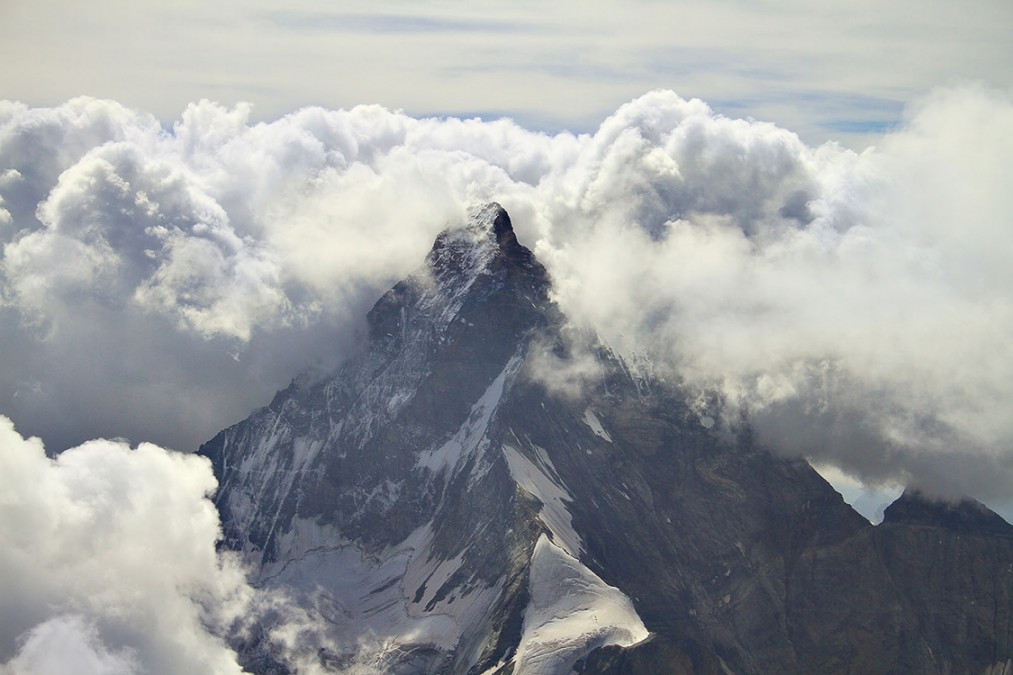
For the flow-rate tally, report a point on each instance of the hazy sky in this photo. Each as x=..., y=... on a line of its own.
x=827, y=70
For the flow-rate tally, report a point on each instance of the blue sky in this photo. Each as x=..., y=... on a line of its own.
x=828, y=71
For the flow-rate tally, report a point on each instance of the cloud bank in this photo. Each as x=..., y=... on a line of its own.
x=108, y=563
x=108, y=566
x=157, y=283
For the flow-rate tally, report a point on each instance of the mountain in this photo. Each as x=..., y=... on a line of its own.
x=485, y=490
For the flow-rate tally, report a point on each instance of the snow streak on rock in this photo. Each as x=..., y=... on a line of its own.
x=536, y=478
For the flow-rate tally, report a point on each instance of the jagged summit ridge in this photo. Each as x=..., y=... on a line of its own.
x=472, y=263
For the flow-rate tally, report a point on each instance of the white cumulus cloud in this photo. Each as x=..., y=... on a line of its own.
x=108, y=566
x=107, y=561
x=857, y=306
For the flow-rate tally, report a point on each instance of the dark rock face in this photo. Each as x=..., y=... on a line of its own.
x=967, y=516
x=439, y=494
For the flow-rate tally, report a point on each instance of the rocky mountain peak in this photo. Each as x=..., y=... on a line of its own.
x=477, y=267
x=497, y=221
x=435, y=507
x=967, y=515
x=486, y=241
x=490, y=218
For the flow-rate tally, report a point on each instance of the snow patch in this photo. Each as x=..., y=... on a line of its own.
x=398, y=400
x=385, y=598
x=571, y=613
x=427, y=591
x=591, y=420
x=465, y=606
x=537, y=481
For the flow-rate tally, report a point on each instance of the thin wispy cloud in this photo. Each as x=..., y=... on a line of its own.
x=389, y=23
x=567, y=63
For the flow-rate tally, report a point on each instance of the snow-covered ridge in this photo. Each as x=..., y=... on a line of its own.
x=572, y=612
x=477, y=238
x=482, y=219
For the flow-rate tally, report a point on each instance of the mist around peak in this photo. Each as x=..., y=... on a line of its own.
x=855, y=306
